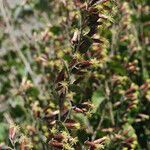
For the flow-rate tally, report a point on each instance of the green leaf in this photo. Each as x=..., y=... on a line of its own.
x=117, y=68
x=3, y=130
x=81, y=118
x=131, y=132
x=97, y=98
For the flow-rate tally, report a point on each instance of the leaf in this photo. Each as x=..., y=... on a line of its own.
x=97, y=98
x=131, y=130
x=117, y=68
x=3, y=130
x=81, y=118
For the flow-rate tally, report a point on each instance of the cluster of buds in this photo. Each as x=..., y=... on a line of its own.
x=71, y=124
x=83, y=108
x=94, y=19
x=117, y=80
x=129, y=139
x=99, y=48
x=128, y=36
x=145, y=89
x=125, y=9
x=25, y=85
x=16, y=137
x=97, y=144
x=25, y=143
x=13, y=131
x=92, y=50
x=132, y=67
x=129, y=100
x=129, y=143
x=119, y=83
x=51, y=116
x=131, y=95
x=142, y=117
x=125, y=136
x=77, y=67
x=62, y=140
x=36, y=109
x=82, y=43
x=61, y=86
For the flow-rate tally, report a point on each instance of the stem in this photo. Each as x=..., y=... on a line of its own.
x=99, y=125
x=109, y=103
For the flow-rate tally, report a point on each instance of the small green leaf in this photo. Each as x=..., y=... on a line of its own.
x=97, y=98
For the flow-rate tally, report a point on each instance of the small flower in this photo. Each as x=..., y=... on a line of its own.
x=53, y=130
x=74, y=140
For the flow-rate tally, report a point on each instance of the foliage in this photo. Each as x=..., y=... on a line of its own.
x=74, y=74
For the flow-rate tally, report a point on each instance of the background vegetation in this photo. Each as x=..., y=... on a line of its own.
x=74, y=74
